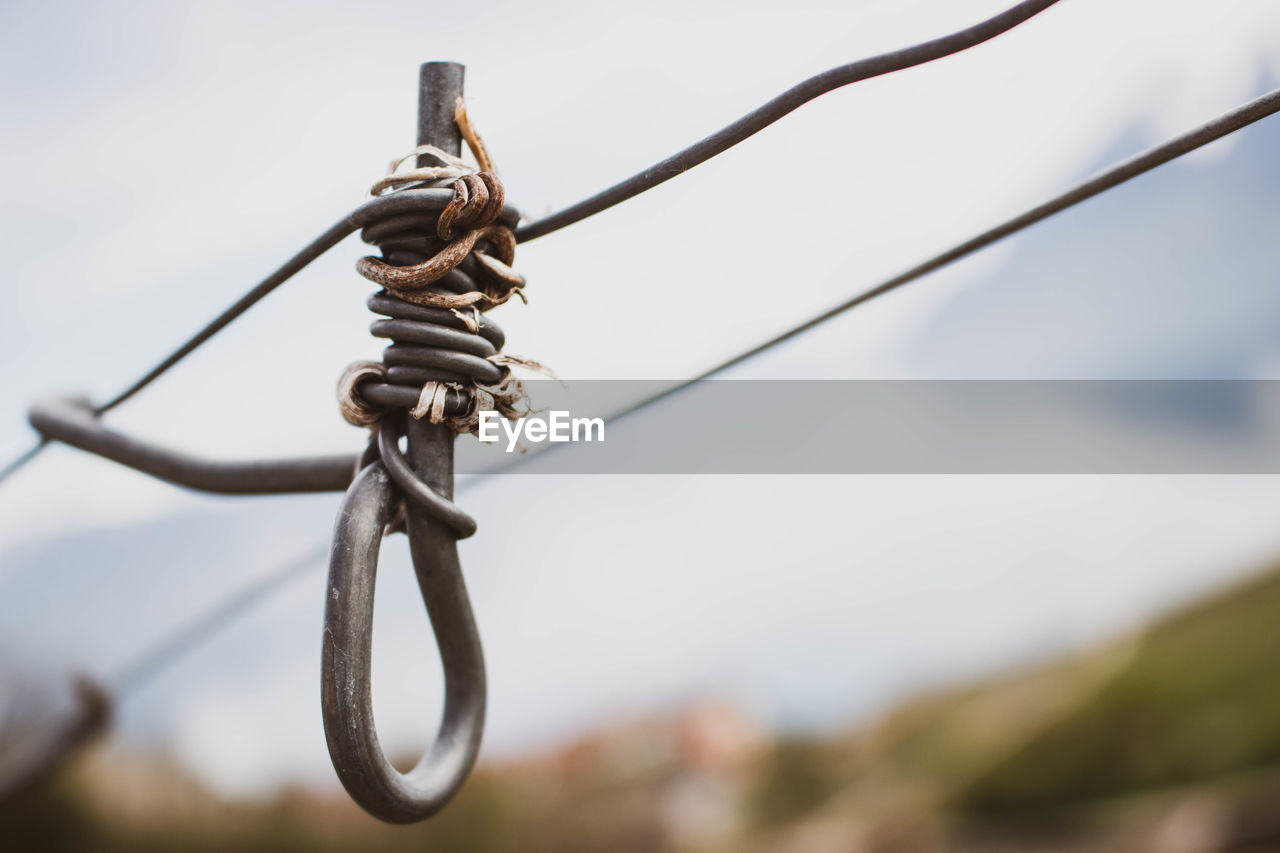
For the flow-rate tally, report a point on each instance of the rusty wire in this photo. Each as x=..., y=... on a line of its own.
x=1125, y=170
x=476, y=205
x=678, y=163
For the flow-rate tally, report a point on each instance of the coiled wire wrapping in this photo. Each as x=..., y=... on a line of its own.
x=440, y=271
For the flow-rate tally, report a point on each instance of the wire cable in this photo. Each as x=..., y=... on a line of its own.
x=174, y=646
x=186, y=638
x=164, y=653
x=683, y=161
x=789, y=101
x=18, y=462
x=1126, y=170
x=58, y=733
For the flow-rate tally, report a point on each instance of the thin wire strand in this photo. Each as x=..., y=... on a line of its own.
x=649, y=178
x=20, y=461
x=1251, y=112
x=787, y=102
x=186, y=638
x=1123, y=171
x=164, y=653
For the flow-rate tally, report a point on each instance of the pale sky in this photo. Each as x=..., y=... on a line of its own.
x=157, y=159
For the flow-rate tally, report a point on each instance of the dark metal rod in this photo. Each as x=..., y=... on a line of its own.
x=430, y=446
x=73, y=422
x=432, y=543
x=367, y=509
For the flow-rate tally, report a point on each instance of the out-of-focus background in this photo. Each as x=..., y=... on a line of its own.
x=774, y=663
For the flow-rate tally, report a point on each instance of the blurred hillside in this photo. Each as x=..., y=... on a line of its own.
x=1167, y=741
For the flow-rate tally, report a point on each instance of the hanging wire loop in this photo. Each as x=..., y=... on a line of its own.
x=346, y=699
x=440, y=270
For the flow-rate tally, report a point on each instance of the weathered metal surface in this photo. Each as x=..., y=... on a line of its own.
x=426, y=345
x=74, y=422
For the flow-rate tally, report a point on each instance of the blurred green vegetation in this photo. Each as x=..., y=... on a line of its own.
x=490, y=815
x=1199, y=699
x=795, y=779
x=1178, y=726
x=51, y=818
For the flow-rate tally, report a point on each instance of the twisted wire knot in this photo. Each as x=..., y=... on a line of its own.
x=440, y=271
x=478, y=196
x=477, y=201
